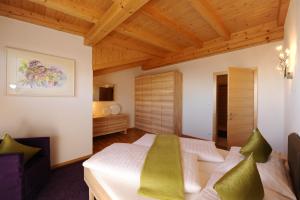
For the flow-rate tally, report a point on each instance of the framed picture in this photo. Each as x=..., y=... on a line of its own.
x=37, y=74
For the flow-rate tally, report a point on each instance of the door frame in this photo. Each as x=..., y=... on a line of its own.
x=255, y=96
x=214, y=124
x=215, y=74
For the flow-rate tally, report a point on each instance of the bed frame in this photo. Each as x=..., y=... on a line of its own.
x=294, y=161
x=96, y=191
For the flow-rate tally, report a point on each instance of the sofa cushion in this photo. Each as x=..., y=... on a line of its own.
x=9, y=145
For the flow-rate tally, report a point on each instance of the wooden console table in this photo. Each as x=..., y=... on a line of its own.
x=110, y=124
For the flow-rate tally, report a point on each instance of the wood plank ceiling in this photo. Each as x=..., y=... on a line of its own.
x=155, y=33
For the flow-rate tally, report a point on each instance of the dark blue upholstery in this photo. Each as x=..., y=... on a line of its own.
x=19, y=182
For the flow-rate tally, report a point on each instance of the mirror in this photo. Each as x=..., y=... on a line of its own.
x=103, y=92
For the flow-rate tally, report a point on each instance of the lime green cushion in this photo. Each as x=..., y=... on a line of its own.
x=241, y=183
x=258, y=145
x=9, y=145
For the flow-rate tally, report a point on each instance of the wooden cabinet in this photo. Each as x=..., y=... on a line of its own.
x=110, y=124
x=158, y=103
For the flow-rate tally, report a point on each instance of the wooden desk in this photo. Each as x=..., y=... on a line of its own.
x=103, y=125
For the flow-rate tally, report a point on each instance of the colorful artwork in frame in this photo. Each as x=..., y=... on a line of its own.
x=37, y=74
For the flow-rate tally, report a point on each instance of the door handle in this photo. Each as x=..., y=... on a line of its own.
x=230, y=116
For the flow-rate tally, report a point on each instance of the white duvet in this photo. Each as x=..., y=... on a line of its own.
x=205, y=150
x=124, y=162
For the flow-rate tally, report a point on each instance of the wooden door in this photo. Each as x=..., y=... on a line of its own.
x=241, y=105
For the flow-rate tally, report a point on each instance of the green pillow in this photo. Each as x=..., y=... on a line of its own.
x=258, y=145
x=9, y=145
x=241, y=182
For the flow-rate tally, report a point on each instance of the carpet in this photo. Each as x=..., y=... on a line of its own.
x=65, y=183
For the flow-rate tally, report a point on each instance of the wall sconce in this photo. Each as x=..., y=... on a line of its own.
x=283, y=65
x=13, y=86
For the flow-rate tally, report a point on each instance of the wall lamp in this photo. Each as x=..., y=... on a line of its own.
x=283, y=65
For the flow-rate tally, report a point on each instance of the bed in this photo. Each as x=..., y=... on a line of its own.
x=104, y=187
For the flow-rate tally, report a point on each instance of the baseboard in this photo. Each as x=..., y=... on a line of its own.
x=69, y=162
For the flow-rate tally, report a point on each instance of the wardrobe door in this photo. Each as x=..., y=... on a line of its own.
x=178, y=104
x=168, y=103
x=156, y=108
x=147, y=103
x=139, y=113
x=241, y=105
x=143, y=103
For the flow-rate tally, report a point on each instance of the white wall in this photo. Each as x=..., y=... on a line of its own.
x=292, y=87
x=67, y=120
x=198, y=90
x=123, y=91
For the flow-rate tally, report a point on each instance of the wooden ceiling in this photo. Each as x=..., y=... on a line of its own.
x=155, y=33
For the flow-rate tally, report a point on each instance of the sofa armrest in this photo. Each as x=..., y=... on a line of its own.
x=11, y=176
x=41, y=142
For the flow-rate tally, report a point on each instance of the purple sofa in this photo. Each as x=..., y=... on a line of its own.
x=23, y=182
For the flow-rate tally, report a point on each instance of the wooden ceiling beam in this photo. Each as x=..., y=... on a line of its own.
x=31, y=17
x=91, y=15
x=112, y=18
x=120, y=62
x=282, y=11
x=148, y=38
x=208, y=13
x=257, y=35
x=129, y=43
x=71, y=8
x=100, y=72
x=166, y=21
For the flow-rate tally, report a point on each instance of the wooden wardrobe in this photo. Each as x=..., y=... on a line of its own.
x=158, y=103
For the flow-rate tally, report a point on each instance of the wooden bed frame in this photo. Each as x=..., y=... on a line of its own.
x=96, y=191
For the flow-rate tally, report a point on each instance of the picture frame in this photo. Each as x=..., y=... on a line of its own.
x=32, y=73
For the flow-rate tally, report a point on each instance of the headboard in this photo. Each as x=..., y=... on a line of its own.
x=294, y=161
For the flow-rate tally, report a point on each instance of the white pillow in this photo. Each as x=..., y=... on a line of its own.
x=125, y=161
x=209, y=193
x=272, y=173
x=205, y=150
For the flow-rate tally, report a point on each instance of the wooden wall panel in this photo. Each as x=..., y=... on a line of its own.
x=158, y=102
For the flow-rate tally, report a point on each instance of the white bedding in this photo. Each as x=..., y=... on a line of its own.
x=125, y=162
x=119, y=189
x=205, y=150
x=123, y=184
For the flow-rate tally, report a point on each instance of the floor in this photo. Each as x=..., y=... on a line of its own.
x=221, y=143
x=103, y=141
x=65, y=183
